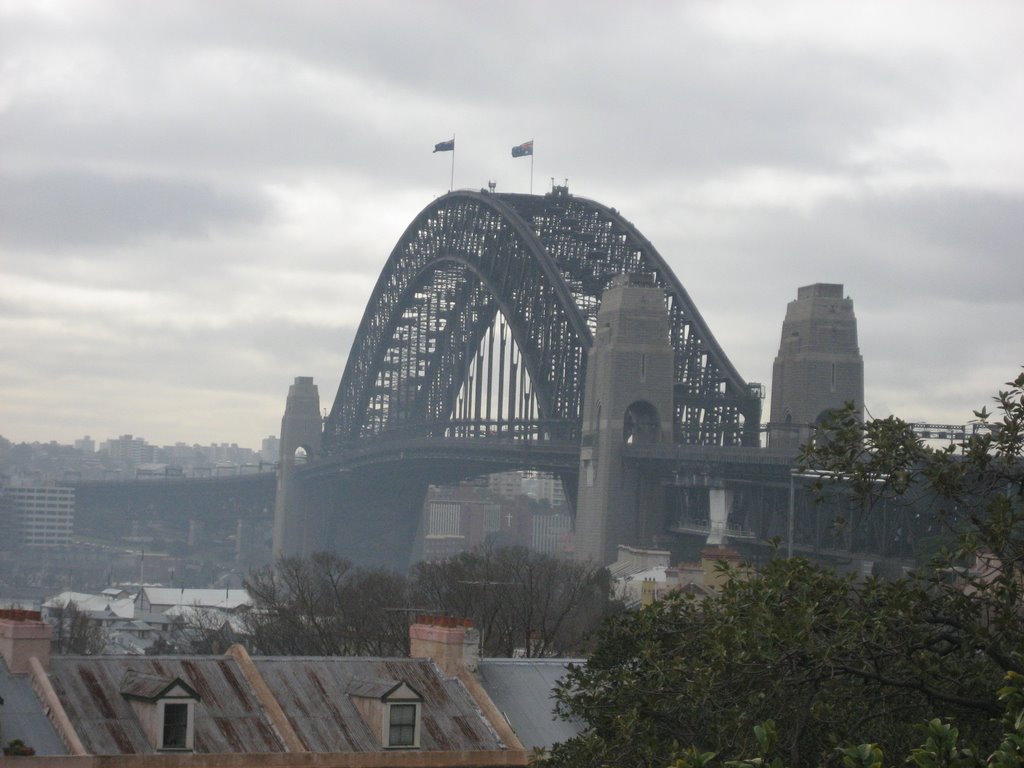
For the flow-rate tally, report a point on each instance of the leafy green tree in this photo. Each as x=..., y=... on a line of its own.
x=941, y=747
x=807, y=662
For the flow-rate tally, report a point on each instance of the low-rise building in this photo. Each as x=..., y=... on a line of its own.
x=642, y=576
x=276, y=711
x=151, y=599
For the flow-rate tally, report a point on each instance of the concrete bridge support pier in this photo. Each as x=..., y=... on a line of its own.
x=628, y=400
x=819, y=366
x=375, y=517
x=298, y=519
x=719, y=507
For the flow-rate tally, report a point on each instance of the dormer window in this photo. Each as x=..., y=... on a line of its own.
x=176, y=722
x=165, y=707
x=391, y=709
x=402, y=729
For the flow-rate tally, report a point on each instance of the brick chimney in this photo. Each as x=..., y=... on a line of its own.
x=24, y=634
x=452, y=643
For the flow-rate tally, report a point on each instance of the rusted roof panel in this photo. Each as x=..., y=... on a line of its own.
x=149, y=687
x=314, y=694
x=228, y=716
x=372, y=689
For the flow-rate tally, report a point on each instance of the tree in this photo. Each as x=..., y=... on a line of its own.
x=831, y=660
x=197, y=630
x=522, y=602
x=324, y=606
x=74, y=632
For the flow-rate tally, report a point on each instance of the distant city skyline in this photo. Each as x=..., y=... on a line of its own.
x=195, y=210
x=97, y=443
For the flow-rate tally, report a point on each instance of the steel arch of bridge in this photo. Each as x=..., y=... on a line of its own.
x=538, y=264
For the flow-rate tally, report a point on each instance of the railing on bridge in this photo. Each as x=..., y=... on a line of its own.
x=546, y=430
x=536, y=431
x=705, y=527
x=152, y=473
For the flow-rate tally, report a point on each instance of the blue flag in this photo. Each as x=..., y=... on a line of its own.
x=445, y=146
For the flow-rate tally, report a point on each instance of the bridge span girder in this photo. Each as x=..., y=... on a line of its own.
x=537, y=266
x=482, y=322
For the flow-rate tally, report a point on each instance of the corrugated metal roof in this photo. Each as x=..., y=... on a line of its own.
x=314, y=694
x=149, y=687
x=123, y=607
x=228, y=599
x=228, y=716
x=372, y=689
x=23, y=717
x=523, y=689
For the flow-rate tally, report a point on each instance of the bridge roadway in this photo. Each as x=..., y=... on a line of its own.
x=717, y=464
x=366, y=497
x=372, y=492
x=451, y=459
x=110, y=509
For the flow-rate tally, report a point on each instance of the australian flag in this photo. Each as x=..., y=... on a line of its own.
x=445, y=146
x=524, y=149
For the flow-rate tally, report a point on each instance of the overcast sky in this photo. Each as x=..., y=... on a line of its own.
x=197, y=197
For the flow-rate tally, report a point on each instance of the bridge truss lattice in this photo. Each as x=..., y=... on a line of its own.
x=482, y=319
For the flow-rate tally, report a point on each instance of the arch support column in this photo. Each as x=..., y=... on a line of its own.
x=298, y=521
x=628, y=399
x=719, y=507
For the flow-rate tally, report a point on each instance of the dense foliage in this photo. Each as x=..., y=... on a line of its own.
x=817, y=661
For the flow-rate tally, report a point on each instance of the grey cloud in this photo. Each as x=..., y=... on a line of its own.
x=700, y=102
x=67, y=208
x=243, y=357
x=142, y=173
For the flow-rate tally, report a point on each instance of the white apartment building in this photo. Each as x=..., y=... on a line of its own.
x=539, y=486
x=43, y=515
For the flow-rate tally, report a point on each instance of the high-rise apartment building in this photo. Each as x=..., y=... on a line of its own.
x=40, y=515
x=129, y=451
x=270, y=450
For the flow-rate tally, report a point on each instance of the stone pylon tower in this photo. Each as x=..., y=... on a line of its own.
x=296, y=529
x=819, y=366
x=628, y=400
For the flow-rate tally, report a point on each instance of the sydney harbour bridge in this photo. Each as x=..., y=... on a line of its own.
x=545, y=332
x=486, y=346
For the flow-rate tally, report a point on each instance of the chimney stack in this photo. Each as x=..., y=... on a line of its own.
x=452, y=643
x=24, y=634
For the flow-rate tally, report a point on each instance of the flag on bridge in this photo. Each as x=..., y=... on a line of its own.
x=524, y=149
x=445, y=146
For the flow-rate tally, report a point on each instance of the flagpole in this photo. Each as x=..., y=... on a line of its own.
x=531, y=172
x=451, y=183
